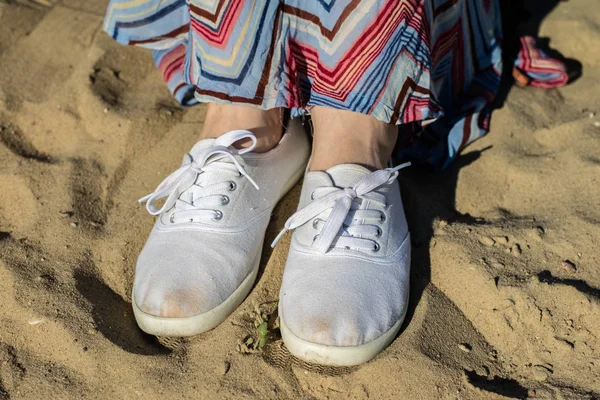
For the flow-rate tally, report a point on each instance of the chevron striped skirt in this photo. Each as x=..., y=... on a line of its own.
x=431, y=65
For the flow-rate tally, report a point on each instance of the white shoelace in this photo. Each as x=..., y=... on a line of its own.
x=346, y=226
x=184, y=188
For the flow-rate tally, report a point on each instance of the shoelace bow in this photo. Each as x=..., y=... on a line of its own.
x=184, y=179
x=339, y=225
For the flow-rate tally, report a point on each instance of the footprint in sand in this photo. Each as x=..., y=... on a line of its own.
x=88, y=193
x=13, y=139
x=17, y=219
x=20, y=367
x=107, y=85
x=119, y=79
x=43, y=281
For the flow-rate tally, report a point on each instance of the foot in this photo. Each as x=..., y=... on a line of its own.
x=345, y=291
x=202, y=256
x=266, y=125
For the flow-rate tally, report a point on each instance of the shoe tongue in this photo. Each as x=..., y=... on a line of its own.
x=344, y=175
x=197, y=149
x=194, y=154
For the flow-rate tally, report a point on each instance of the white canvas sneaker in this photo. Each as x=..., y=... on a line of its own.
x=345, y=291
x=202, y=256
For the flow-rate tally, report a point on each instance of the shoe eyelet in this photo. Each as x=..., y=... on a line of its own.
x=172, y=218
x=224, y=200
x=312, y=195
x=218, y=215
x=376, y=247
x=382, y=218
x=232, y=186
x=191, y=219
x=315, y=238
x=315, y=223
x=378, y=234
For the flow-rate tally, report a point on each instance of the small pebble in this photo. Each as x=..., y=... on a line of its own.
x=466, y=347
x=226, y=367
x=570, y=323
x=498, y=265
x=501, y=239
x=35, y=321
x=569, y=266
x=540, y=374
x=486, y=241
x=592, y=115
x=539, y=233
x=105, y=110
x=73, y=224
x=516, y=250
x=597, y=124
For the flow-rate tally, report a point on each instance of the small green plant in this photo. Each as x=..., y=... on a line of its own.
x=263, y=324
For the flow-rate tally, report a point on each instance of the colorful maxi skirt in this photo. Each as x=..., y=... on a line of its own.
x=432, y=66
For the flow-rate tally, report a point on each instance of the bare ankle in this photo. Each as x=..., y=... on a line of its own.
x=267, y=125
x=344, y=137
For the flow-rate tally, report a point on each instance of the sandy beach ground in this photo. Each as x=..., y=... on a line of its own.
x=506, y=283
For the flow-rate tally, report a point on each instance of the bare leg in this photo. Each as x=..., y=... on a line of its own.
x=267, y=125
x=345, y=137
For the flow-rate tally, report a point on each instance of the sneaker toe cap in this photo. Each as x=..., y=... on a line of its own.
x=165, y=299
x=178, y=277
x=343, y=305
